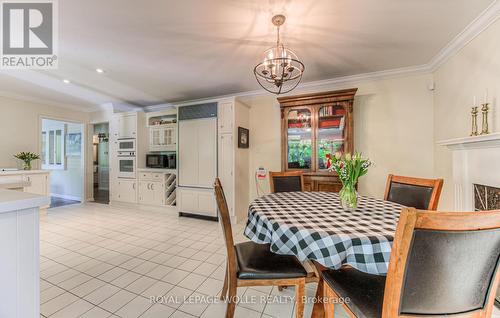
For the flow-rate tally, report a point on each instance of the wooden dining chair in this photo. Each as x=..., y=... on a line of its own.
x=442, y=264
x=290, y=181
x=252, y=264
x=418, y=193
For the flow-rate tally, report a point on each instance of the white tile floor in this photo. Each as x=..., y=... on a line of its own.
x=101, y=261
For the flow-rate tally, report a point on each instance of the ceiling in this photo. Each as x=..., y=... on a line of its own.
x=157, y=51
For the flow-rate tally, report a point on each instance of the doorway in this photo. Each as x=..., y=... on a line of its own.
x=62, y=154
x=100, y=158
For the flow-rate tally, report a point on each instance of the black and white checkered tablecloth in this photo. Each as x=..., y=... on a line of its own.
x=313, y=225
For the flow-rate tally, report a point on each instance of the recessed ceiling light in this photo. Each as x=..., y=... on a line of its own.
x=99, y=70
x=66, y=81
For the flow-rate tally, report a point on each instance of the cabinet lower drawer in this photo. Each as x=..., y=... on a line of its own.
x=321, y=182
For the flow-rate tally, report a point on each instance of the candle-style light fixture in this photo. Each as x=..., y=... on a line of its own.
x=281, y=70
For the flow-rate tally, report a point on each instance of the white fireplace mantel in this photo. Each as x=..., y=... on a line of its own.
x=474, y=142
x=475, y=161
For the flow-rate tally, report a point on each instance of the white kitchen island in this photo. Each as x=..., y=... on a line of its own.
x=20, y=253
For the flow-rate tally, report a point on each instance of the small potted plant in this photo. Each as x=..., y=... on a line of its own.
x=349, y=169
x=27, y=158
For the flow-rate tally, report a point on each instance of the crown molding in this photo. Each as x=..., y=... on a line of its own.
x=469, y=33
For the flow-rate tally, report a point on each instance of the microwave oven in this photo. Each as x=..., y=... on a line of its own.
x=126, y=144
x=161, y=161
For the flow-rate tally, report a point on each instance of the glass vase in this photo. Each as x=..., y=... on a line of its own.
x=348, y=197
x=27, y=165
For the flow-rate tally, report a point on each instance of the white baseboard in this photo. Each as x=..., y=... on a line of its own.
x=65, y=196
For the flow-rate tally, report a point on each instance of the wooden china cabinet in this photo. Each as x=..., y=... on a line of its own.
x=313, y=128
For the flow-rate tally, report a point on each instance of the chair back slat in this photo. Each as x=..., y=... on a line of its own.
x=225, y=221
x=443, y=264
x=412, y=192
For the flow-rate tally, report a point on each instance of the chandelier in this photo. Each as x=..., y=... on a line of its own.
x=281, y=70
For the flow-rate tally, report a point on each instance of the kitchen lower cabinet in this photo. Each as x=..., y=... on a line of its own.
x=126, y=191
x=39, y=184
x=197, y=201
x=152, y=193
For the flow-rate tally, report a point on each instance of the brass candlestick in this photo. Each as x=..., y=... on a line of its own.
x=484, y=110
x=474, y=113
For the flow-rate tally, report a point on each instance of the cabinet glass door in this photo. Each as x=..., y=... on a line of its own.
x=331, y=136
x=299, y=139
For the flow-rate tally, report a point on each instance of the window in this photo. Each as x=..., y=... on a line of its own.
x=53, y=156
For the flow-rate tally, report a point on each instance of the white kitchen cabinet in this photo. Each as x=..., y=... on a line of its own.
x=126, y=125
x=197, y=201
x=156, y=187
x=163, y=138
x=39, y=183
x=145, y=195
x=198, y=156
x=126, y=191
x=226, y=166
x=152, y=193
x=225, y=114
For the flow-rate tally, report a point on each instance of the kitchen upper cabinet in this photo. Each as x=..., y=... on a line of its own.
x=225, y=117
x=39, y=184
x=126, y=191
x=163, y=138
x=126, y=126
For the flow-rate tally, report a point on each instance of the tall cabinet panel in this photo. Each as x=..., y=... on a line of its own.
x=226, y=166
x=197, y=160
x=207, y=152
x=188, y=153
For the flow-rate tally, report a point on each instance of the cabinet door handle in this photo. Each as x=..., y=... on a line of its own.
x=133, y=185
x=152, y=186
x=149, y=184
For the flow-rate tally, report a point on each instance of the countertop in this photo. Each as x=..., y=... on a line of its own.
x=157, y=170
x=22, y=172
x=11, y=200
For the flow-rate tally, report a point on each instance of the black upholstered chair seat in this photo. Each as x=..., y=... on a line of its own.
x=365, y=291
x=256, y=261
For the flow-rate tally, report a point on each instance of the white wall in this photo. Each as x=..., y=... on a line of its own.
x=393, y=126
x=470, y=72
x=20, y=127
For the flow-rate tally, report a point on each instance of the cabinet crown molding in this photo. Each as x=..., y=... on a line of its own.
x=318, y=98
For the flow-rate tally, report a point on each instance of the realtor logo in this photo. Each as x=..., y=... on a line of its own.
x=28, y=35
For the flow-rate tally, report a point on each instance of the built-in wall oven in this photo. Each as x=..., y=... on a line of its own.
x=126, y=164
x=126, y=144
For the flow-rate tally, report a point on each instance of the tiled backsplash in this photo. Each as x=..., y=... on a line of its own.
x=486, y=198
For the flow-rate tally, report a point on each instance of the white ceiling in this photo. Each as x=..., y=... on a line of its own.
x=157, y=51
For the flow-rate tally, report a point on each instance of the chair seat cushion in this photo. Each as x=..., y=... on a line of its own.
x=256, y=261
x=365, y=291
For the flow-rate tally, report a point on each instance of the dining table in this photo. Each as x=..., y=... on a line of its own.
x=315, y=227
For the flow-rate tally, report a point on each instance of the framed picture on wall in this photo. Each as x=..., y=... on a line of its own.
x=243, y=137
x=74, y=145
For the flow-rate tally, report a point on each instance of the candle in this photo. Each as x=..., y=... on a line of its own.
x=474, y=101
x=486, y=96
